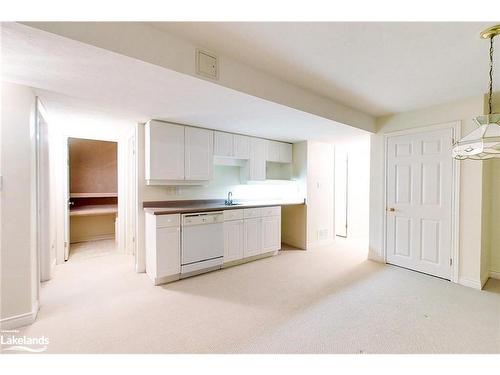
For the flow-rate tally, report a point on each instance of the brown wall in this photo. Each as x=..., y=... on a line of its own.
x=91, y=228
x=93, y=166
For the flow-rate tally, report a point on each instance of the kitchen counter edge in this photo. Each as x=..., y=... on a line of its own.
x=202, y=208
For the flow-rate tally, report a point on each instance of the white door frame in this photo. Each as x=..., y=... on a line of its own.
x=131, y=204
x=122, y=191
x=455, y=228
x=43, y=204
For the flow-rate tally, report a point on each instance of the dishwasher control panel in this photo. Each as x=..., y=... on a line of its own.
x=203, y=218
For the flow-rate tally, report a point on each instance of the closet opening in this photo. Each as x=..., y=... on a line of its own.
x=93, y=198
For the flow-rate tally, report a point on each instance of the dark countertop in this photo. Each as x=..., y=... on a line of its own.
x=190, y=206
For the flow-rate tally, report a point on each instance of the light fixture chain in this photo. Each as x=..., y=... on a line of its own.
x=491, y=75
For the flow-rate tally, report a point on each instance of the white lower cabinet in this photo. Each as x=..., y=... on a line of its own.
x=271, y=233
x=262, y=230
x=247, y=233
x=233, y=240
x=253, y=237
x=163, y=247
x=168, y=251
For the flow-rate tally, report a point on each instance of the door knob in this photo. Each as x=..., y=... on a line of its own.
x=391, y=209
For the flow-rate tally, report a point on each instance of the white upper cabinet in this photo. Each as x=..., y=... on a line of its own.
x=231, y=145
x=279, y=152
x=223, y=144
x=164, y=144
x=273, y=151
x=285, y=152
x=198, y=154
x=177, y=154
x=241, y=146
x=257, y=162
x=184, y=155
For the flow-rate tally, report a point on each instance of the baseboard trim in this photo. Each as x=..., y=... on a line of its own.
x=495, y=275
x=99, y=237
x=237, y=262
x=166, y=279
x=176, y=277
x=376, y=257
x=293, y=242
x=475, y=284
x=20, y=320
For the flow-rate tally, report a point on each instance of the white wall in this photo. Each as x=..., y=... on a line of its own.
x=492, y=176
x=470, y=181
x=494, y=218
x=99, y=126
x=19, y=266
x=320, y=193
x=486, y=216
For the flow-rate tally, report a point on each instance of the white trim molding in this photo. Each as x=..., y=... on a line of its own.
x=465, y=281
x=97, y=237
x=374, y=256
x=495, y=275
x=20, y=320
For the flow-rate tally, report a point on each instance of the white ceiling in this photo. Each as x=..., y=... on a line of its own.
x=377, y=68
x=79, y=78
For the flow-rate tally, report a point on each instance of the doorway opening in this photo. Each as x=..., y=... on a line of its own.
x=352, y=190
x=93, y=198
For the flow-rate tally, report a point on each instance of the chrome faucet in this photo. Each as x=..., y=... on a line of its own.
x=229, y=200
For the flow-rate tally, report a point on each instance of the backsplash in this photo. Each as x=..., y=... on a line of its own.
x=227, y=178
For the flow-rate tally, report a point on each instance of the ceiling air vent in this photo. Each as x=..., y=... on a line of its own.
x=206, y=64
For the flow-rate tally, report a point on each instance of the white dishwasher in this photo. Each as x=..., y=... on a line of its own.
x=202, y=242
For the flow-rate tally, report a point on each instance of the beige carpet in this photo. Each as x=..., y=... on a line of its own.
x=328, y=300
x=90, y=249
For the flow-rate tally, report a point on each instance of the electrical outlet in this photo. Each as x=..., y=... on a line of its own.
x=322, y=234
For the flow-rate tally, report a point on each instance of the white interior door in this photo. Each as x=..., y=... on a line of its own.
x=419, y=201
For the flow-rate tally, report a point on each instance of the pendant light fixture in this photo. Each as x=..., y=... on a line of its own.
x=484, y=142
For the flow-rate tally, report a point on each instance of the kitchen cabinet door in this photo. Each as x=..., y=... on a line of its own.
x=223, y=144
x=253, y=237
x=273, y=151
x=168, y=251
x=164, y=147
x=198, y=154
x=258, y=159
x=241, y=146
x=271, y=233
x=285, y=152
x=233, y=240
